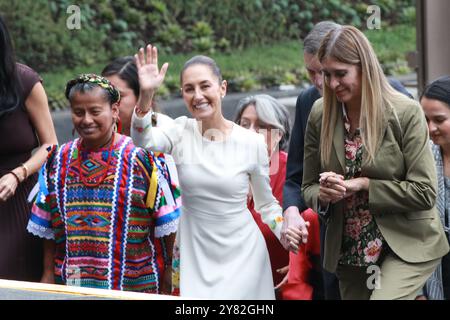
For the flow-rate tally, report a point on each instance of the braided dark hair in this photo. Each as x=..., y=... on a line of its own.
x=87, y=82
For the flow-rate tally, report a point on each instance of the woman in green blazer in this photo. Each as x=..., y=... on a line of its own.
x=370, y=175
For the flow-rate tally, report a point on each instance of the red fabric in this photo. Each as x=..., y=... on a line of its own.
x=300, y=266
x=297, y=287
x=119, y=126
x=279, y=257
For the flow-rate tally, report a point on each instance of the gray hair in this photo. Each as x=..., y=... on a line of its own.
x=269, y=111
x=312, y=41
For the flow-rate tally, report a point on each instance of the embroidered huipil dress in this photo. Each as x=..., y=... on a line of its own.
x=108, y=236
x=223, y=254
x=362, y=241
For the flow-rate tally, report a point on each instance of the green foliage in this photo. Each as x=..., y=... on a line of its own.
x=224, y=45
x=408, y=15
x=258, y=67
x=203, y=45
x=243, y=82
x=171, y=37
x=240, y=35
x=202, y=29
x=391, y=46
x=118, y=27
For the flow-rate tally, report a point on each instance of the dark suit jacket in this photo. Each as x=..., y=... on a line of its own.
x=294, y=170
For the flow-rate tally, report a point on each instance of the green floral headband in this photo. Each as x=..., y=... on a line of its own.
x=96, y=79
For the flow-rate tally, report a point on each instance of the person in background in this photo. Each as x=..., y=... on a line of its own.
x=435, y=102
x=108, y=206
x=220, y=245
x=265, y=115
x=293, y=200
x=123, y=75
x=370, y=174
x=25, y=124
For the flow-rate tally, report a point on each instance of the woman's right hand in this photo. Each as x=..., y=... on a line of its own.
x=150, y=77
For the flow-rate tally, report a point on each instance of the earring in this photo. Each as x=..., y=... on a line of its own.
x=115, y=125
x=73, y=132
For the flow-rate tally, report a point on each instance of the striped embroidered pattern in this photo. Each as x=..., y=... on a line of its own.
x=105, y=235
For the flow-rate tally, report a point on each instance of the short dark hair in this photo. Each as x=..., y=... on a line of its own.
x=125, y=68
x=439, y=90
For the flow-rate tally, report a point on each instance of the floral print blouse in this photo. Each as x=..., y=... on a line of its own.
x=362, y=241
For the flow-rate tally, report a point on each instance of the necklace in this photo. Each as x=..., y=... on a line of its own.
x=104, y=170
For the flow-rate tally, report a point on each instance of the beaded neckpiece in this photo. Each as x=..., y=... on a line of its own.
x=104, y=170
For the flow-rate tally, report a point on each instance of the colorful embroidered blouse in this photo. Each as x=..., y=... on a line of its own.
x=362, y=241
x=108, y=236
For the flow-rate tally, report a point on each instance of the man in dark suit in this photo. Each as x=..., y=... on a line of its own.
x=292, y=198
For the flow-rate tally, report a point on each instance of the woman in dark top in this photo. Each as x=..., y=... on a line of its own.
x=435, y=101
x=25, y=124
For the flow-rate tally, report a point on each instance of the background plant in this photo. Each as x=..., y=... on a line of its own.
x=240, y=34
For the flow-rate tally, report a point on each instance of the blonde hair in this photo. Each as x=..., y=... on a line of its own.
x=349, y=45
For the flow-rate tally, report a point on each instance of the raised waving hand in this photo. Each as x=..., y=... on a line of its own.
x=150, y=76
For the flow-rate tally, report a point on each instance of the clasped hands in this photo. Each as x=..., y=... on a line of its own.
x=293, y=231
x=334, y=188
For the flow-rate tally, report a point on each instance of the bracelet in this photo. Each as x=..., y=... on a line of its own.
x=25, y=169
x=141, y=112
x=16, y=176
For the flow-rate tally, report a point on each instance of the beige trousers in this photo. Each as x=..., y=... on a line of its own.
x=394, y=279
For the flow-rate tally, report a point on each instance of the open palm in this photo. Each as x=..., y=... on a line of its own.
x=150, y=77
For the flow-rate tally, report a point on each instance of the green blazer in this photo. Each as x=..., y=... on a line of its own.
x=402, y=189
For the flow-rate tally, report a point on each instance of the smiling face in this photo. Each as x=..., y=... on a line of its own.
x=344, y=79
x=202, y=92
x=128, y=101
x=438, y=119
x=93, y=116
